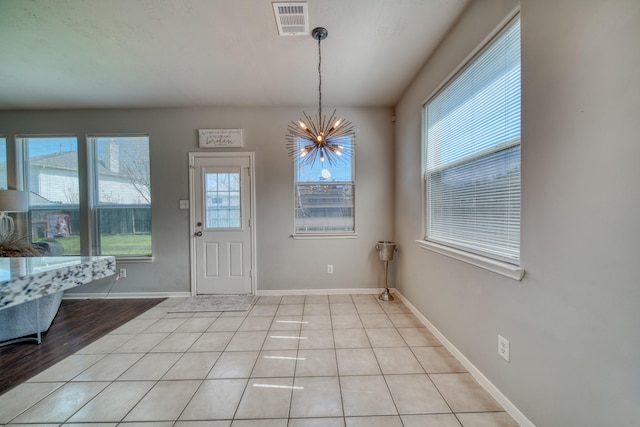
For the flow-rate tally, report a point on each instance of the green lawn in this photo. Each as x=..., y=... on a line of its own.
x=119, y=244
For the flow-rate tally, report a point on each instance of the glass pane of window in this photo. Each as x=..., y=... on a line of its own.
x=51, y=176
x=3, y=163
x=222, y=196
x=324, y=207
x=340, y=171
x=324, y=195
x=480, y=109
x=122, y=195
x=477, y=204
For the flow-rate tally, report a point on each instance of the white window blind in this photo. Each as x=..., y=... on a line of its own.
x=472, y=137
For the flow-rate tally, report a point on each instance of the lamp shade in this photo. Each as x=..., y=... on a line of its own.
x=14, y=201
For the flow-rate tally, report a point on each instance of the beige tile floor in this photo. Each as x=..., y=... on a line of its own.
x=290, y=361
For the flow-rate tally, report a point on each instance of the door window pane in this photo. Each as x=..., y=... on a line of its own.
x=222, y=197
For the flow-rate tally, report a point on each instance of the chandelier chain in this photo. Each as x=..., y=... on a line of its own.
x=319, y=79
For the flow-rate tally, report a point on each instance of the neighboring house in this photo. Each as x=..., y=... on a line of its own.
x=53, y=182
x=53, y=179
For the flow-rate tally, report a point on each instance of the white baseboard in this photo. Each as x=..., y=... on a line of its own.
x=320, y=291
x=511, y=409
x=121, y=295
x=124, y=295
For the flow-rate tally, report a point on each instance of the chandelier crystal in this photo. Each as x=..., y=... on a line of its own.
x=322, y=139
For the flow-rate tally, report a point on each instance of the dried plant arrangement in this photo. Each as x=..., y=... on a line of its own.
x=16, y=246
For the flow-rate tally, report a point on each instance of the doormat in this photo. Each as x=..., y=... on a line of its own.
x=215, y=303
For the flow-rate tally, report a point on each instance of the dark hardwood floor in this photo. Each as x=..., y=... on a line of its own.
x=77, y=324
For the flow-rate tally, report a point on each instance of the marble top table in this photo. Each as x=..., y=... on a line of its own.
x=25, y=279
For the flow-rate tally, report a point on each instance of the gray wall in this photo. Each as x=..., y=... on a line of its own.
x=282, y=263
x=573, y=321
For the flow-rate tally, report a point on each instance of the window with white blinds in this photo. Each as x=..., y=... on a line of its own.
x=472, y=147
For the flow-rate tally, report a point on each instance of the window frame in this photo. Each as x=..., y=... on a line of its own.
x=93, y=196
x=23, y=179
x=479, y=259
x=87, y=183
x=4, y=179
x=331, y=234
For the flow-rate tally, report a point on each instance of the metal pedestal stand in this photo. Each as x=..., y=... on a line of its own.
x=385, y=252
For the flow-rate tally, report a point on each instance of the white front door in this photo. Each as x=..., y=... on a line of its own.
x=222, y=238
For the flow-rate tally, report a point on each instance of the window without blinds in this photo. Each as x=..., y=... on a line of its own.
x=3, y=163
x=50, y=167
x=472, y=139
x=122, y=195
x=324, y=196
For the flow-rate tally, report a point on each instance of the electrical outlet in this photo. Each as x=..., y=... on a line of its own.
x=329, y=268
x=122, y=273
x=503, y=347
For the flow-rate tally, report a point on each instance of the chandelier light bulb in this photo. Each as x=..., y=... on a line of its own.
x=336, y=124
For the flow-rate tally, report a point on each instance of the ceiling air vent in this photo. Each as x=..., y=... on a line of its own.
x=292, y=18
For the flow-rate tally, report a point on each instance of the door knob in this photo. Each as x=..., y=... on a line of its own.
x=199, y=233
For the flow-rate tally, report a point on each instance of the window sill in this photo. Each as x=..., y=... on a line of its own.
x=323, y=236
x=505, y=269
x=125, y=259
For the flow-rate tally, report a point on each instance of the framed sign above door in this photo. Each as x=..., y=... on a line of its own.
x=220, y=138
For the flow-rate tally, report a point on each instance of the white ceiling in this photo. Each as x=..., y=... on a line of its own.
x=187, y=53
